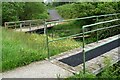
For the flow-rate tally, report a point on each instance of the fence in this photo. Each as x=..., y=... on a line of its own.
x=98, y=29
x=24, y=24
x=83, y=31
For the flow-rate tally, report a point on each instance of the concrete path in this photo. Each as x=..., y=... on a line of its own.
x=54, y=15
x=43, y=69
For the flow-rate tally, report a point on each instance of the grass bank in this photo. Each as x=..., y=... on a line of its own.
x=19, y=49
x=108, y=73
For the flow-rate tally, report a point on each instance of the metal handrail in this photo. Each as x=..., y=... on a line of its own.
x=22, y=21
x=25, y=23
x=100, y=23
x=83, y=33
x=46, y=23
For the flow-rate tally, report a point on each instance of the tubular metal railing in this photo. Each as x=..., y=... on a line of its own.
x=26, y=23
x=83, y=31
x=98, y=29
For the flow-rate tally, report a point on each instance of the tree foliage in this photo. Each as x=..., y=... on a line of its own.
x=87, y=9
x=14, y=11
x=33, y=10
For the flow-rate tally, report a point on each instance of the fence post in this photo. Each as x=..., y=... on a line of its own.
x=30, y=27
x=37, y=23
x=5, y=25
x=45, y=28
x=47, y=43
x=24, y=23
x=15, y=25
x=83, y=51
x=97, y=31
x=20, y=26
x=52, y=30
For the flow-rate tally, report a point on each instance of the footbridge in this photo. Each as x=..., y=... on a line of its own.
x=38, y=24
x=90, y=57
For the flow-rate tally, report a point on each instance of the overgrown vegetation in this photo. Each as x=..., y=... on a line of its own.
x=20, y=49
x=109, y=73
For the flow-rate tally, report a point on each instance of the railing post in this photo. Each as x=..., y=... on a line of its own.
x=97, y=31
x=20, y=26
x=37, y=23
x=47, y=43
x=30, y=27
x=5, y=25
x=15, y=26
x=83, y=51
x=45, y=25
x=24, y=23
x=52, y=31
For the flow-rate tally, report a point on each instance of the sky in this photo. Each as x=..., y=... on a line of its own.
x=46, y=1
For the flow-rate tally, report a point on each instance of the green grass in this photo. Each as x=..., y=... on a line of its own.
x=19, y=49
x=0, y=49
x=66, y=29
x=108, y=73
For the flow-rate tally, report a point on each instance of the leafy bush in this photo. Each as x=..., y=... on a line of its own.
x=76, y=10
x=66, y=11
x=15, y=11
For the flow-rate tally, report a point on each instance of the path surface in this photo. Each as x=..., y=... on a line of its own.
x=43, y=69
x=54, y=15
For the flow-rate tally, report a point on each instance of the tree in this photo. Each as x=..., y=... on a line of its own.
x=11, y=11
x=33, y=10
x=15, y=11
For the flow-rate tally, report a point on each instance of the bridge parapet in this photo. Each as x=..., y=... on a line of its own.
x=24, y=24
x=85, y=31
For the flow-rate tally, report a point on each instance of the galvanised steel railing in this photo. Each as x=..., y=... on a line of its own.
x=54, y=22
x=83, y=18
x=25, y=23
x=83, y=31
x=98, y=29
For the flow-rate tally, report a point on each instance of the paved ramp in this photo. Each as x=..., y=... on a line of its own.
x=43, y=69
x=54, y=15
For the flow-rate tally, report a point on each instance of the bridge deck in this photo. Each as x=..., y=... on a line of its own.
x=72, y=60
x=27, y=29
